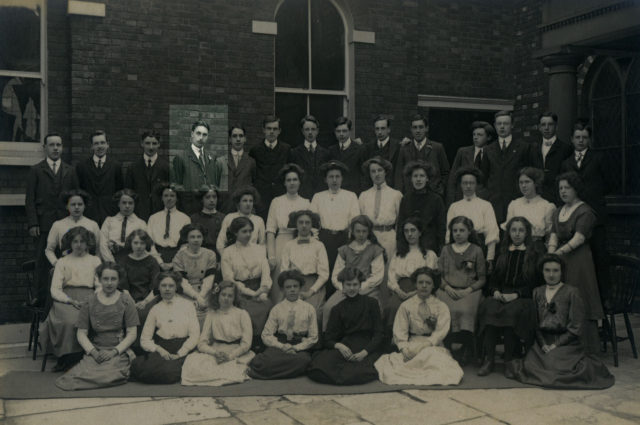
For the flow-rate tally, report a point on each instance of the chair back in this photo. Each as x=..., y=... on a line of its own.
x=624, y=278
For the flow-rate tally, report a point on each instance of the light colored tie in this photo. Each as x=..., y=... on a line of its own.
x=53, y=168
x=202, y=158
x=579, y=158
x=236, y=160
x=378, y=200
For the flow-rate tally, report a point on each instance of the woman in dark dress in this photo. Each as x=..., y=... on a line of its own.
x=510, y=311
x=209, y=217
x=353, y=337
x=425, y=204
x=559, y=359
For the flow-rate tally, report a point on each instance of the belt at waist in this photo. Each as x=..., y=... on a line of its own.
x=384, y=227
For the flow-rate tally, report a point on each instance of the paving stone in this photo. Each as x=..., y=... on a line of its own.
x=218, y=421
x=375, y=408
x=502, y=400
x=484, y=420
x=266, y=417
x=322, y=413
x=624, y=403
x=252, y=404
x=301, y=399
x=30, y=407
x=143, y=413
x=566, y=414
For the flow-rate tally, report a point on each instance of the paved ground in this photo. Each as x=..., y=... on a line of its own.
x=617, y=405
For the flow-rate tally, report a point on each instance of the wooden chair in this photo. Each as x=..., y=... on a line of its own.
x=36, y=312
x=624, y=280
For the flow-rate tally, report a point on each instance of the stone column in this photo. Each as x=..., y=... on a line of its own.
x=563, y=95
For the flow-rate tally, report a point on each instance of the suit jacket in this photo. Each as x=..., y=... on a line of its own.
x=268, y=164
x=551, y=166
x=43, y=205
x=502, y=181
x=389, y=152
x=352, y=157
x=190, y=174
x=434, y=154
x=595, y=181
x=465, y=159
x=101, y=183
x=312, y=181
x=143, y=180
x=242, y=175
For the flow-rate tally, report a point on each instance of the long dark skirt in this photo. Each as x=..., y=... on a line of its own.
x=332, y=241
x=273, y=363
x=258, y=310
x=518, y=314
x=330, y=367
x=394, y=301
x=151, y=368
x=567, y=367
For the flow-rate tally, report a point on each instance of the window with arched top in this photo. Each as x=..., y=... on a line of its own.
x=310, y=66
x=614, y=107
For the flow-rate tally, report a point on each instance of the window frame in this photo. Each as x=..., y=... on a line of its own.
x=30, y=153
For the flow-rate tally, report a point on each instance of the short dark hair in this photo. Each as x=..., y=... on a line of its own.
x=574, y=180
x=581, y=125
x=109, y=265
x=50, y=135
x=488, y=129
x=419, y=164
x=270, y=118
x=433, y=274
x=290, y=168
x=150, y=133
x=309, y=118
x=98, y=133
x=214, y=295
x=238, y=126
x=503, y=114
x=122, y=192
x=68, y=194
x=206, y=188
x=290, y=275
x=200, y=123
x=468, y=171
x=548, y=114
x=341, y=121
x=351, y=273
x=382, y=117
x=419, y=117
x=162, y=186
x=144, y=237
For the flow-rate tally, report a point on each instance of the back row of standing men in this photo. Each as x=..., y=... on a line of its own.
x=495, y=152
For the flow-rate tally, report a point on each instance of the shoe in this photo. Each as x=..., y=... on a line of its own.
x=486, y=368
x=59, y=367
x=508, y=371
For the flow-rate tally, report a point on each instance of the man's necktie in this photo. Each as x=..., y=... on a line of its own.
x=503, y=145
x=99, y=163
x=149, y=163
x=167, y=224
x=291, y=322
x=477, y=162
x=236, y=160
x=53, y=168
x=378, y=200
x=579, y=158
x=202, y=158
x=123, y=232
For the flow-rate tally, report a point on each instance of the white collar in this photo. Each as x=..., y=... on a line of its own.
x=346, y=144
x=269, y=144
x=383, y=143
x=152, y=158
x=237, y=153
x=171, y=210
x=102, y=160
x=477, y=149
x=51, y=162
x=507, y=139
x=307, y=144
x=548, y=141
x=196, y=150
x=522, y=247
x=420, y=144
x=583, y=153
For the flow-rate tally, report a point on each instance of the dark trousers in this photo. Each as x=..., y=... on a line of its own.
x=490, y=340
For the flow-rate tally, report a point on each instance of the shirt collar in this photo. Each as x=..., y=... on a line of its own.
x=102, y=160
x=237, y=153
x=507, y=140
x=521, y=247
x=346, y=144
x=583, y=153
x=171, y=210
x=383, y=143
x=476, y=150
x=152, y=158
x=421, y=144
x=548, y=142
x=51, y=162
x=382, y=186
x=270, y=145
x=307, y=144
x=196, y=150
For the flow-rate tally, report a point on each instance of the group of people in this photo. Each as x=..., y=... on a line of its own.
x=167, y=274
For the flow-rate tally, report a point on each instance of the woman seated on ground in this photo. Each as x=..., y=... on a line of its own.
x=197, y=265
x=246, y=199
x=510, y=311
x=353, y=337
x=209, y=218
x=363, y=253
x=463, y=275
x=170, y=332
x=141, y=270
x=291, y=331
x=245, y=264
x=421, y=324
x=537, y=210
x=559, y=359
x=411, y=255
x=76, y=201
x=73, y=283
x=307, y=255
x=224, y=346
x=107, y=315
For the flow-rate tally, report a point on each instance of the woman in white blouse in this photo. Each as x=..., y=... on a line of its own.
x=537, y=210
x=245, y=264
x=170, y=332
x=479, y=211
x=246, y=199
x=76, y=201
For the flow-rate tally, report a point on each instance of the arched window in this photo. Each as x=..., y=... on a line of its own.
x=311, y=66
x=614, y=106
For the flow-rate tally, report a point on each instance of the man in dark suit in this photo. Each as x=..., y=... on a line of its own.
x=505, y=158
x=270, y=156
x=310, y=156
x=238, y=168
x=145, y=174
x=427, y=150
x=350, y=154
x=590, y=167
x=472, y=157
x=195, y=167
x=45, y=183
x=100, y=176
x=383, y=146
x=548, y=154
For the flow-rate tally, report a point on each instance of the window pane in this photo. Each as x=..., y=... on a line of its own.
x=290, y=108
x=326, y=109
x=633, y=129
x=19, y=39
x=20, y=113
x=327, y=46
x=292, y=50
